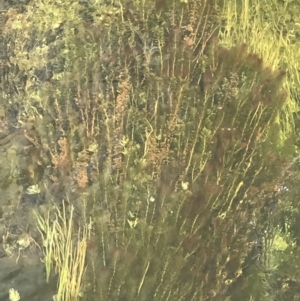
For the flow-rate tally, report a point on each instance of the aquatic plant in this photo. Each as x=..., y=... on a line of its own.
x=62, y=253
x=163, y=139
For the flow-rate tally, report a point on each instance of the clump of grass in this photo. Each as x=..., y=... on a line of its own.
x=260, y=25
x=63, y=252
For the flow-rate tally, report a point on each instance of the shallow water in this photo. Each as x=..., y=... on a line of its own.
x=152, y=234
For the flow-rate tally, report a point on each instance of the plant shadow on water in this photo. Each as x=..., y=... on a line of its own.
x=136, y=169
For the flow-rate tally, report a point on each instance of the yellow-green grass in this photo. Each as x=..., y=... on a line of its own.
x=64, y=251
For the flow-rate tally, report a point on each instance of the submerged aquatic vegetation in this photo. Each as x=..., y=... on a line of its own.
x=162, y=138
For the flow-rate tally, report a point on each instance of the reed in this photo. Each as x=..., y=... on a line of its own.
x=64, y=254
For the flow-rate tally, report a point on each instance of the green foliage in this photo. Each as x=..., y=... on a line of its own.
x=168, y=141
